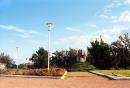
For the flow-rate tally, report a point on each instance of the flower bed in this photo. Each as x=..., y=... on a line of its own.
x=37, y=72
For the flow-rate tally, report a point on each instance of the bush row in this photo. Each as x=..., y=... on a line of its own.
x=39, y=72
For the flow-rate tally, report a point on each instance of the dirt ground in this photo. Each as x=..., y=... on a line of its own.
x=74, y=80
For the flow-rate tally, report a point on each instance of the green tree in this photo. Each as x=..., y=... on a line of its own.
x=39, y=58
x=99, y=54
x=6, y=59
x=65, y=59
x=72, y=58
x=120, y=51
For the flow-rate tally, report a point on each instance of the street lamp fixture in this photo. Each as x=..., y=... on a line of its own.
x=49, y=26
x=49, y=36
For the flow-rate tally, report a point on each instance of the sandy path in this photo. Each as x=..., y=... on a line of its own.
x=88, y=81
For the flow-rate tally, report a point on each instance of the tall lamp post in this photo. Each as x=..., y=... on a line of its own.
x=49, y=35
x=17, y=49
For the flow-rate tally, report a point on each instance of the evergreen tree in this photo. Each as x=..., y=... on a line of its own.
x=39, y=58
x=100, y=54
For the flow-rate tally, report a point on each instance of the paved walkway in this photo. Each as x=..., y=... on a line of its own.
x=84, y=80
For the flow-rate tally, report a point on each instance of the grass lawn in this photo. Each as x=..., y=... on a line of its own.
x=82, y=67
x=118, y=73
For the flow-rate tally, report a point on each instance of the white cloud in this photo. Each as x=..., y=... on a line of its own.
x=25, y=33
x=127, y=2
x=124, y=17
x=112, y=33
x=123, y=2
x=16, y=29
x=113, y=7
x=72, y=29
x=104, y=16
x=39, y=42
x=109, y=35
x=112, y=30
x=109, y=7
x=73, y=41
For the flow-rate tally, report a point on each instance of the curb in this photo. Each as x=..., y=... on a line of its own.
x=31, y=76
x=110, y=77
x=63, y=77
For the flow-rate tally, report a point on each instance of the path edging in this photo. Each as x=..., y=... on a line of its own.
x=109, y=76
x=32, y=76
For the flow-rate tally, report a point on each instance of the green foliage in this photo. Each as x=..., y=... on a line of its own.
x=99, y=54
x=25, y=66
x=65, y=59
x=72, y=52
x=115, y=56
x=6, y=59
x=83, y=67
x=39, y=58
x=120, y=51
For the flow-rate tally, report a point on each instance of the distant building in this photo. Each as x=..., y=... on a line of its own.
x=81, y=55
x=2, y=66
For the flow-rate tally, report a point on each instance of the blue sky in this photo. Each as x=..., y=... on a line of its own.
x=75, y=24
